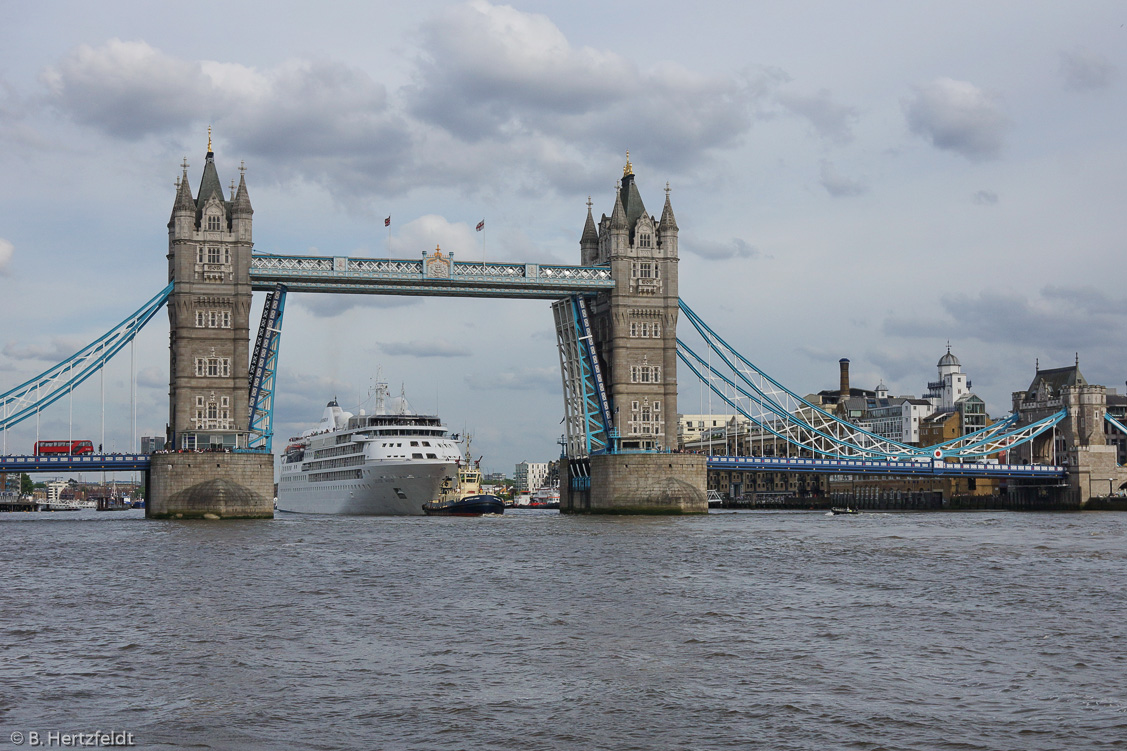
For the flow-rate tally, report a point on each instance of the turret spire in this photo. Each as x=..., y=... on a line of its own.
x=618, y=216
x=668, y=222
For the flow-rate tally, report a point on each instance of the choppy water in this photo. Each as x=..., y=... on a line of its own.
x=777, y=630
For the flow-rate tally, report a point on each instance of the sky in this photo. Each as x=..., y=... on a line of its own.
x=868, y=180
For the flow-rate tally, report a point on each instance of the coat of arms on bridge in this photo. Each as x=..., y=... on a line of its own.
x=437, y=265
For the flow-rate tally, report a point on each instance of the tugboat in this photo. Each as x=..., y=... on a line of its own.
x=464, y=497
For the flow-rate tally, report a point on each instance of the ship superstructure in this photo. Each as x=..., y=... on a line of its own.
x=389, y=462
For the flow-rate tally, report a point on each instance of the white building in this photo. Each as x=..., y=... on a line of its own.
x=530, y=476
x=896, y=418
x=690, y=428
x=952, y=385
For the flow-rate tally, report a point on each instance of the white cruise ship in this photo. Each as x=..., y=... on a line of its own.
x=384, y=463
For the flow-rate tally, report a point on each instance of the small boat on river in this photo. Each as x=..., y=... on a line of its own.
x=463, y=497
x=836, y=510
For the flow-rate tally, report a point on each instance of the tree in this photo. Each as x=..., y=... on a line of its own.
x=26, y=485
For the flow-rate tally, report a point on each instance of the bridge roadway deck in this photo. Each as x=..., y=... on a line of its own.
x=929, y=468
x=425, y=277
x=76, y=463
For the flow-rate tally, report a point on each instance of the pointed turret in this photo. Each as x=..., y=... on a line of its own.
x=589, y=243
x=618, y=216
x=184, y=207
x=241, y=204
x=241, y=211
x=668, y=222
x=209, y=183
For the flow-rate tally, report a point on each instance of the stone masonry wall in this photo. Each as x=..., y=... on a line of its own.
x=649, y=484
x=212, y=484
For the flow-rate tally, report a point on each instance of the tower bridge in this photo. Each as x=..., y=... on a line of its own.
x=616, y=320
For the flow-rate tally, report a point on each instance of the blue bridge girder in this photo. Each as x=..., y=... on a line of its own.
x=449, y=278
x=76, y=463
x=934, y=468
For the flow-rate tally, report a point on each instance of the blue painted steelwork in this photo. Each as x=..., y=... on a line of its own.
x=432, y=275
x=1118, y=425
x=936, y=468
x=597, y=432
x=76, y=463
x=52, y=384
x=812, y=429
x=263, y=371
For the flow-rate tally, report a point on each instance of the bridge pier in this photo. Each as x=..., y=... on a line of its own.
x=643, y=483
x=211, y=484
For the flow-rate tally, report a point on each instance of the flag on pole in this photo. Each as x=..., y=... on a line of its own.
x=481, y=225
x=387, y=222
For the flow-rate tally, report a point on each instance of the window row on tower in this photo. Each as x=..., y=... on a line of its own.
x=213, y=319
x=213, y=414
x=645, y=330
x=645, y=418
x=645, y=374
x=213, y=367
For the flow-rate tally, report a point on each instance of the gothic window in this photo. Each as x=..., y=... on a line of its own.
x=199, y=401
x=201, y=366
x=199, y=254
x=226, y=319
x=213, y=223
x=227, y=256
x=213, y=255
x=199, y=319
x=212, y=411
x=657, y=331
x=212, y=317
x=633, y=329
x=645, y=240
x=213, y=367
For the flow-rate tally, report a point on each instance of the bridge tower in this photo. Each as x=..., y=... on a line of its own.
x=1077, y=442
x=635, y=324
x=209, y=257
x=634, y=328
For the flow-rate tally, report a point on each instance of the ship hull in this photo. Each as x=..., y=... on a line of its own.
x=380, y=491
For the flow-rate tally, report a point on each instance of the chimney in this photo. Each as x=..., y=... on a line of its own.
x=844, y=387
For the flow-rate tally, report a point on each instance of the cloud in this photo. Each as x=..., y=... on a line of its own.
x=152, y=378
x=491, y=72
x=957, y=116
x=1085, y=71
x=1059, y=318
x=547, y=379
x=837, y=185
x=7, y=250
x=719, y=251
x=434, y=348
x=830, y=120
x=56, y=350
x=986, y=198
x=330, y=306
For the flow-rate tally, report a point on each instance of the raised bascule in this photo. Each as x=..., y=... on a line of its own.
x=616, y=320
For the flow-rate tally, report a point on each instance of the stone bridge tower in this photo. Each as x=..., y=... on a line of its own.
x=635, y=324
x=209, y=256
x=634, y=327
x=209, y=253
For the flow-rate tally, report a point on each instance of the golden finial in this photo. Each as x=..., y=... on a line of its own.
x=209, y=139
x=629, y=168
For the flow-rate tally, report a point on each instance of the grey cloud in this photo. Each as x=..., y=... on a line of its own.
x=130, y=90
x=53, y=351
x=957, y=116
x=492, y=72
x=152, y=378
x=837, y=185
x=1058, y=319
x=527, y=379
x=829, y=119
x=329, y=306
x=435, y=348
x=1085, y=71
x=986, y=198
x=719, y=251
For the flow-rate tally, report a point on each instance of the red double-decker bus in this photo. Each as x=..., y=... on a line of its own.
x=63, y=447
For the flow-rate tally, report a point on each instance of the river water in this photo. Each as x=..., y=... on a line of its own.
x=765, y=630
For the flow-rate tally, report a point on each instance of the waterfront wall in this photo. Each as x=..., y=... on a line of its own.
x=209, y=485
x=643, y=484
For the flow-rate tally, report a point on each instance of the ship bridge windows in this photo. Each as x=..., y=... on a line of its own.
x=416, y=456
x=414, y=443
x=432, y=456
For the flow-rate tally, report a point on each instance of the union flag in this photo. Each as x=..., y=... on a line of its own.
x=387, y=222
